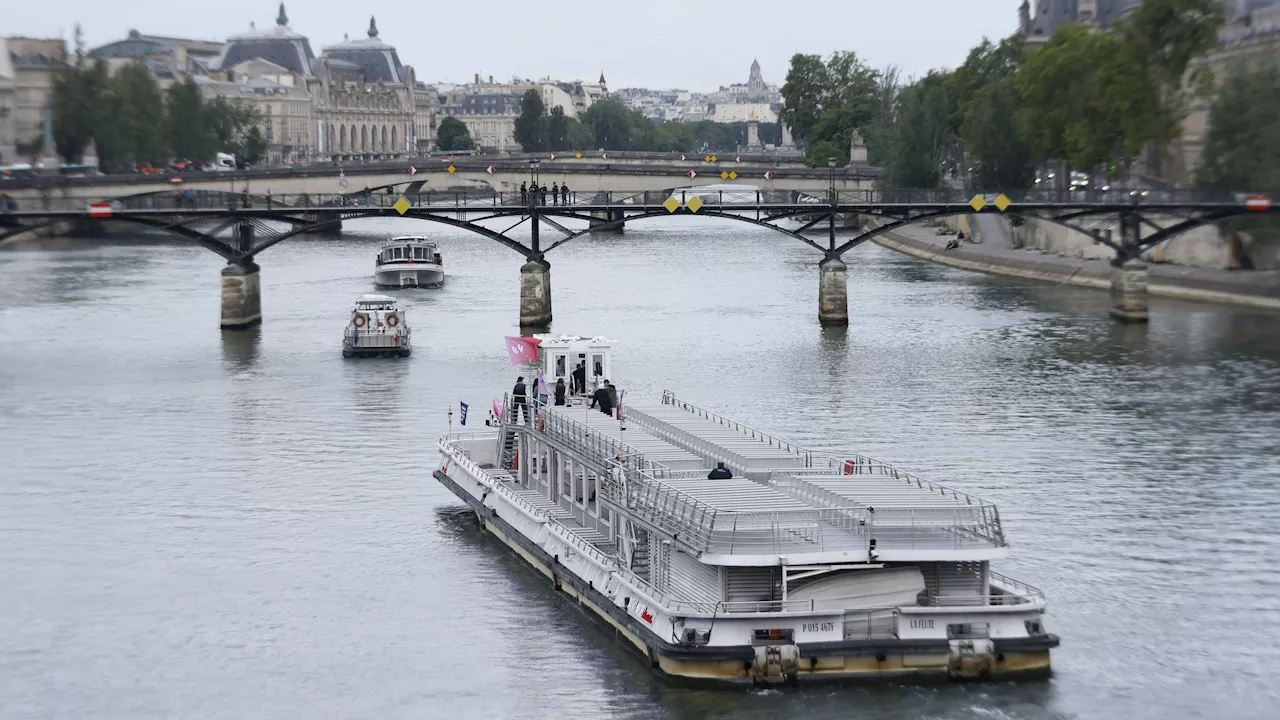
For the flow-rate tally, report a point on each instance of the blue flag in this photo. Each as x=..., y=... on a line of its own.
x=464, y=412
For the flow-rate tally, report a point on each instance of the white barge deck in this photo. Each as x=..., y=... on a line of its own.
x=802, y=567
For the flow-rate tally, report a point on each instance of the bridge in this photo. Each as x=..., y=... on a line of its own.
x=255, y=223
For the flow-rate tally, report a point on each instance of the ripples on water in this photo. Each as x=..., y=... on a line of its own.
x=244, y=525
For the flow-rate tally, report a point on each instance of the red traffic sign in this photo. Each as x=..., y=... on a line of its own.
x=100, y=210
x=738, y=159
x=175, y=180
x=692, y=174
x=768, y=174
x=552, y=156
x=1258, y=202
x=605, y=156
x=682, y=157
x=413, y=170
x=491, y=169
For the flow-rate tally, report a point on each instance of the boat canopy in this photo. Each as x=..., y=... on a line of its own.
x=410, y=240
x=373, y=301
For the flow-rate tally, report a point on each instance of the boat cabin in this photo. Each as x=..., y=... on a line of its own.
x=410, y=249
x=372, y=302
x=559, y=355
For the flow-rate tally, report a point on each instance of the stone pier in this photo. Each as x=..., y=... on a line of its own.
x=833, y=292
x=601, y=217
x=535, y=294
x=241, y=296
x=1129, y=292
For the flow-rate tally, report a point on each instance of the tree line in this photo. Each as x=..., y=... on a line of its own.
x=1093, y=101
x=131, y=121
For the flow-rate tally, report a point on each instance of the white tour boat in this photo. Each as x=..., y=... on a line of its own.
x=801, y=567
x=377, y=327
x=409, y=261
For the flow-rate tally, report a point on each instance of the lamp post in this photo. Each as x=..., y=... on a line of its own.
x=533, y=174
x=831, y=219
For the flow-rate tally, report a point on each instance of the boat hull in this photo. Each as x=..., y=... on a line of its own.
x=879, y=660
x=409, y=275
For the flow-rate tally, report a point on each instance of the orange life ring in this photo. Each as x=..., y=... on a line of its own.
x=393, y=320
x=359, y=320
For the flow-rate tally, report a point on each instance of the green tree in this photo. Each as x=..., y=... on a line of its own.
x=453, y=135
x=190, y=132
x=77, y=108
x=531, y=125
x=227, y=123
x=255, y=146
x=611, y=124
x=558, y=130
x=1001, y=159
x=921, y=135
x=1242, y=143
x=803, y=94
x=133, y=128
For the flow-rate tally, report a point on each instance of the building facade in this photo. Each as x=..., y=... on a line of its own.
x=169, y=59
x=32, y=62
x=8, y=107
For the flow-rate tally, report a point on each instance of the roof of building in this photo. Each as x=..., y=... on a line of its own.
x=1050, y=14
x=280, y=45
x=378, y=60
x=137, y=44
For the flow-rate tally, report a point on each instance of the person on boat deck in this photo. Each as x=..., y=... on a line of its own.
x=540, y=387
x=601, y=398
x=518, y=401
x=720, y=473
x=613, y=393
x=524, y=194
x=560, y=391
x=580, y=378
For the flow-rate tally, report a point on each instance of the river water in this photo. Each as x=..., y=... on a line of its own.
x=244, y=525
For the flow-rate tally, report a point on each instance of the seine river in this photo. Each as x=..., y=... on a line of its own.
x=244, y=525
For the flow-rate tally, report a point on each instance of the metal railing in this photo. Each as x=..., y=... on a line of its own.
x=376, y=340
x=669, y=398
x=1030, y=593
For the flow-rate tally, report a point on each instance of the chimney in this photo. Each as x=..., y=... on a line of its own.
x=477, y=78
x=490, y=79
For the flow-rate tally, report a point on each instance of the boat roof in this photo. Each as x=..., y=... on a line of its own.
x=375, y=299
x=549, y=340
x=409, y=239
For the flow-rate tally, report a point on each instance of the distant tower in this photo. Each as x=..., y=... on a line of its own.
x=755, y=83
x=1024, y=17
x=604, y=87
x=373, y=27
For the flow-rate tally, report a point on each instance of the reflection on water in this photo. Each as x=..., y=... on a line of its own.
x=244, y=520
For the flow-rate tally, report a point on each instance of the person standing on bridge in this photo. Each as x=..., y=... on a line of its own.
x=524, y=194
x=555, y=194
x=542, y=192
x=519, y=403
x=564, y=193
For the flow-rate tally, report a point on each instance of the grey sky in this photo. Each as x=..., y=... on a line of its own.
x=693, y=44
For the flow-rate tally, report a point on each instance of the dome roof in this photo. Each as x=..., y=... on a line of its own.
x=377, y=60
x=279, y=44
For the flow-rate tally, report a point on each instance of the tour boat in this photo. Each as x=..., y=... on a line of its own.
x=802, y=567
x=409, y=261
x=377, y=327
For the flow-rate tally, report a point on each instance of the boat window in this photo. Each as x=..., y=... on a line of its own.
x=417, y=253
x=560, y=366
x=597, y=364
x=395, y=253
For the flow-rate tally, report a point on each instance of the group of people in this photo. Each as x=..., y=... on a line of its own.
x=605, y=398
x=559, y=194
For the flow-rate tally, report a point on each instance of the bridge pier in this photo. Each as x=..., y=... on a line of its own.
x=535, y=294
x=241, y=296
x=833, y=292
x=603, y=217
x=1129, y=292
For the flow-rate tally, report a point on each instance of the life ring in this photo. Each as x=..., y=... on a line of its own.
x=359, y=320
x=393, y=320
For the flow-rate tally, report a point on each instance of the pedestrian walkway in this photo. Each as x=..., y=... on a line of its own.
x=996, y=255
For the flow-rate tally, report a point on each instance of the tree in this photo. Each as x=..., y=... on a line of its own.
x=1001, y=158
x=557, y=130
x=255, y=146
x=611, y=124
x=920, y=136
x=227, y=123
x=803, y=93
x=190, y=134
x=531, y=125
x=1242, y=143
x=77, y=108
x=453, y=135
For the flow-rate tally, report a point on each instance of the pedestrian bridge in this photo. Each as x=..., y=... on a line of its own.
x=258, y=222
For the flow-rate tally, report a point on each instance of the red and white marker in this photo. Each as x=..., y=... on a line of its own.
x=552, y=156
x=175, y=180
x=100, y=210
x=605, y=156
x=491, y=169
x=1257, y=202
x=738, y=159
x=681, y=157
x=768, y=174
x=692, y=174
x=413, y=170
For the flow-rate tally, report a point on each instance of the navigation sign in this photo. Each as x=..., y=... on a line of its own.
x=706, y=158
x=671, y=204
x=175, y=180
x=682, y=158
x=413, y=170
x=733, y=175
x=738, y=159
x=401, y=206
x=977, y=203
x=694, y=204
x=724, y=175
x=451, y=168
x=691, y=174
x=100, y=210
x=714, y=158
x=491, y=169
x=551, y=156
x=578, y=155
x=1258, y=202
x=768, y=175
x=1003, y=202
x=605, y=156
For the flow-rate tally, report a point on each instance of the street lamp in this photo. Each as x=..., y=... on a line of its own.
x=831, y=167
x=831, y=219
x=533, y=173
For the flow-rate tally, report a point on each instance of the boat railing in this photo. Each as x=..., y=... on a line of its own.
x=830, y=464
x=459, y=456
x=1015, y=589
x=669, y=398
x=566, y=533
x=375, y=340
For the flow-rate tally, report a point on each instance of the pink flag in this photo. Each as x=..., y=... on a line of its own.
x=497, y=410
x=522, y=350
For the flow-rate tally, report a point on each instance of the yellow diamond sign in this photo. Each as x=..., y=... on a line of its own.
x=578, y=155
x=977, y=203
x=714, y=158
x=694, y=204
x=733, y=175
x=401, y=206
x=451, y=168
x=724, y=175
x=1003, y=202
x=706, y=158
x=671, y=204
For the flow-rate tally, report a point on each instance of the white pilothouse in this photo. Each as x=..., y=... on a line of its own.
x=801, y=567
x=377, y=327
x=409, y=261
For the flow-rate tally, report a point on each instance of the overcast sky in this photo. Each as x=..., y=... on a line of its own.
x=692, y=44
